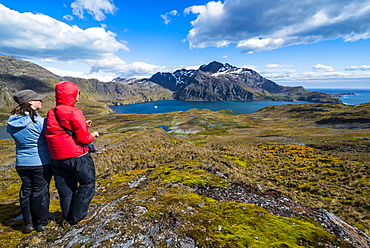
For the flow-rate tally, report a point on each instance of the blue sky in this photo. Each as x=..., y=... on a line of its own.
x=316, y=44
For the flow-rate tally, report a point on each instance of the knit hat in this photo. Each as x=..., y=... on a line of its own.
x=24, y=96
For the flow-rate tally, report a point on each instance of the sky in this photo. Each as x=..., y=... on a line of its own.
x=315, y=44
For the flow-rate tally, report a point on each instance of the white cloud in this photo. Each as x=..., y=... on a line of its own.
x=319, y=72
x=293, y=75
x=105, y=70
x=37, y=36
x=79, y=74
x=96, y=8
x=256, y=25
x=207, y=22
x=68, y=18
x=276, y=71
x=187, y=67
x=277, y=66
x=167, y=17
x=320, y=67
x=355, y=68
x=252, y=67
x=42, y=38
x=117, y=66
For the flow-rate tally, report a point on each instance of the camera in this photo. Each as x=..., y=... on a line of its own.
x=91, y=148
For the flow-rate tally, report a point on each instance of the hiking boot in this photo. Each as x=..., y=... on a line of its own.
x=88, y=216
x=29, y=229
x=41, y=228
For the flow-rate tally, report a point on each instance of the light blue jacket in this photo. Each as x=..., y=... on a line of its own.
x=31, y=146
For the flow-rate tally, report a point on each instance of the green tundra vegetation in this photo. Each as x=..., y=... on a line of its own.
x=317, y=154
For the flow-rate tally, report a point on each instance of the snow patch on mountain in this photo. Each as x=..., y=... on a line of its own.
x=236, y=71
x=127, y=80
x=182, y=76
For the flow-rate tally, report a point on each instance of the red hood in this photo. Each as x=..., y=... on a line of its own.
x=66, y=93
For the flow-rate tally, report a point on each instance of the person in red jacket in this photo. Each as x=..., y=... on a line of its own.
x=73, y=167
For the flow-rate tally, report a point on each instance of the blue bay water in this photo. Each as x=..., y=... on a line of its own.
x=3, y=133
x=362, y=95
x=238, y=107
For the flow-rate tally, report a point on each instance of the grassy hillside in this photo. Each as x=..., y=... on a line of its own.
x=215, y=179
x=16, y=75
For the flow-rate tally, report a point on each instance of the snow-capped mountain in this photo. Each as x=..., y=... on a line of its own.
x=173, y=81
x=221, y=82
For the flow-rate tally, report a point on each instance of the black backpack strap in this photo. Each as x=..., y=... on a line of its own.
x=60, y=124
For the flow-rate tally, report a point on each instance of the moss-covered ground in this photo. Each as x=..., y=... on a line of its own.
x=284, y=148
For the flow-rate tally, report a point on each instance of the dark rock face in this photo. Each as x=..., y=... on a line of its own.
x=202, y=87
x=173, y=81
x=215, y=66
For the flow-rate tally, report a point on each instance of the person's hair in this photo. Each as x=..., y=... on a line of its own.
x=25, y=109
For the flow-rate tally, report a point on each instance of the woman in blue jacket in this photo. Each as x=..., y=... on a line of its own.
x=32, y=159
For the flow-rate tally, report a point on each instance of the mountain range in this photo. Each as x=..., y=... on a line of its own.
x=223, y=82
x=212, y=82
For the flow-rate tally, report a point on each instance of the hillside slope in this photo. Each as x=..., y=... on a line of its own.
x=285, y=176
x=16, y=75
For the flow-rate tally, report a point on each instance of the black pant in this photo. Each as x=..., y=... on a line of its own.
x=75, y=182
x=34, y=194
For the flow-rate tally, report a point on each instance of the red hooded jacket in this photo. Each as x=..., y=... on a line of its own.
x=61, y=144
